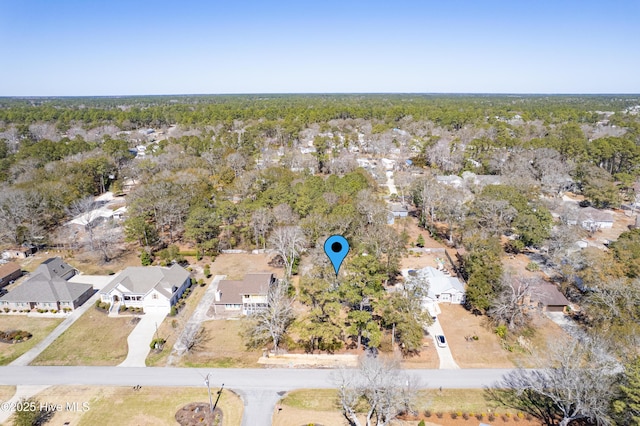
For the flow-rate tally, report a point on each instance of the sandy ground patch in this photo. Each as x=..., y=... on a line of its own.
x=486, y=352
x=235, y=266
x=290, y=416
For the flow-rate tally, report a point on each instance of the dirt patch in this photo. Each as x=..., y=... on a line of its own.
x=199, y=413
x=485, y=352
x=427, y=358
x=541, y=333
x=87, y=264
x=235, y=266
x=290, y=416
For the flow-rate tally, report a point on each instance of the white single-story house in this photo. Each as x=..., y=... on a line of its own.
x=452, y=180
x=47, y=288
x=244, y=297
x=18, y=252
x=152, y=288
x=398, y=210
x=591, y=219
x=388, y=164
x=443, y=288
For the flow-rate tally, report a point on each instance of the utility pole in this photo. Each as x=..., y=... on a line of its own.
x=206, y=382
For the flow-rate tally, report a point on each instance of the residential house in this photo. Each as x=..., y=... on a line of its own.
x=9, y=272
x=152, y=288
x=452, y=180
x=388, y=164
x=398, y=210
x=443, y=288
x=244, y=297
x=47, y=288
x=590, y=218
x=546, y=296
x=550, y=298
x=18, y=252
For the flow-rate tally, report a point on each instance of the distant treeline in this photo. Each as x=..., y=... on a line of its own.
x=453, y=111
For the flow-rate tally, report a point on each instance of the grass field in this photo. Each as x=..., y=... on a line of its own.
x=39, y=327
x=6, y=392
x=125, y=406
x=94, y=339
x=223, y=348
x=445, y=400
x=320, y=405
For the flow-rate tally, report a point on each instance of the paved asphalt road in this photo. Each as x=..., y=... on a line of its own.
x=237, y=379
x=260, y=388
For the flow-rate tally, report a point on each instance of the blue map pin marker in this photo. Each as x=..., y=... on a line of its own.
x=336, y=247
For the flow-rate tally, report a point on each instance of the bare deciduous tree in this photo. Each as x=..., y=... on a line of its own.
x=284, y=215
x=510, y=307
x=575, y=380
x=380, y=383
x=427, y=194
x=271, y=322
x=237, y=162
x=261, y=221
x=493, y=216
x=288, y=242
x=86, y=211
x=107, y=239
x=21, y=215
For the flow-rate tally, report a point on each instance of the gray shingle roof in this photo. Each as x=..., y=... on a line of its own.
x=54, y=266
x=40, y=288
x=142, y=279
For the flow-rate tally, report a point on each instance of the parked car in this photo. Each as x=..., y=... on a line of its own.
x=440, y=340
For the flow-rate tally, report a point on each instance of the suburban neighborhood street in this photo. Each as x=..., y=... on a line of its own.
x=259, y=388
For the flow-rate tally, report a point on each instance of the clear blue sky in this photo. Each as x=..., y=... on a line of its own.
x=129, y=47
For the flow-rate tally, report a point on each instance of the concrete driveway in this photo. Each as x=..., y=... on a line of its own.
x=446, y=358
x=193, y=325
x=97, y=281
x=140, y=338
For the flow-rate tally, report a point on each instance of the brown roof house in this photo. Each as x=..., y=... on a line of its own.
x=152, y=288
x=546, y=296
x=47, y=288
x=243, y=297
x=9, y=271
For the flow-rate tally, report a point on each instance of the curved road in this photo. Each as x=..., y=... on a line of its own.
x=259, y=388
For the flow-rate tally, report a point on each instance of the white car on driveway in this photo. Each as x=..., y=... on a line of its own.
x=442, y=342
